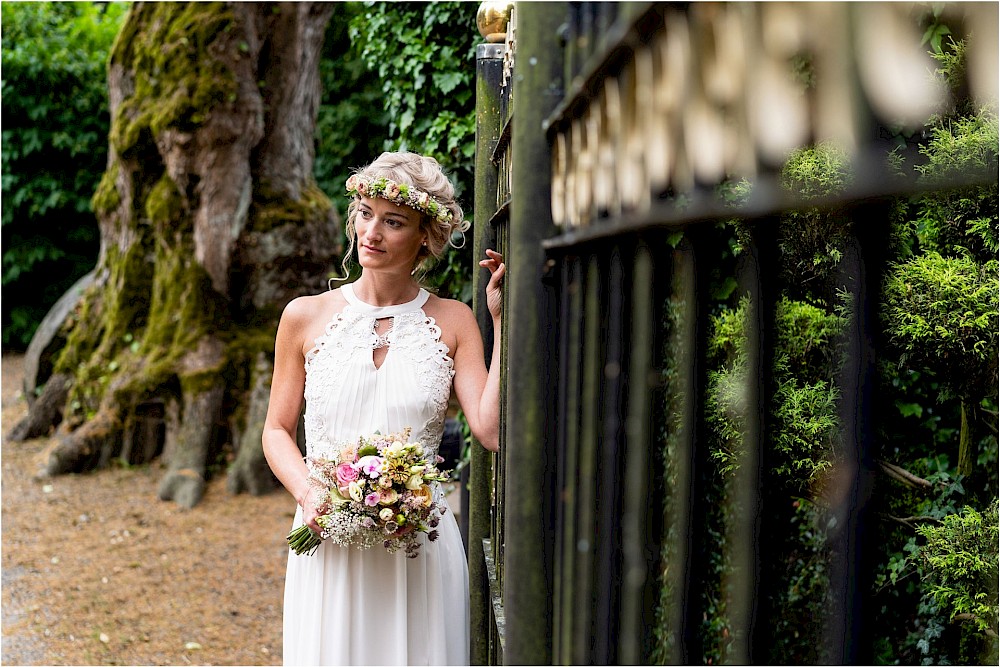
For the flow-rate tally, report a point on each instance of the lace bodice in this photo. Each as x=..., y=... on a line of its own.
x=347, y=396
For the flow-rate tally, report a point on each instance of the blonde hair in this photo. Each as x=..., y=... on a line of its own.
x=423, y=173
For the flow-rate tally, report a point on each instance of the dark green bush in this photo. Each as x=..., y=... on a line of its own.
x=804, y=409
x=55, y=123
x=941, y=313
x=959, y=561
x=422, y=56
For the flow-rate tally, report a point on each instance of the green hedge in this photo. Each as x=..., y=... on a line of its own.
x=55, y=124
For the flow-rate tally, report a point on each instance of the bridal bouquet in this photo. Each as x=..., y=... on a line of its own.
x=375, y=491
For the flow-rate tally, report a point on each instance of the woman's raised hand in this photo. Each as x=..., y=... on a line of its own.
x=494, y=264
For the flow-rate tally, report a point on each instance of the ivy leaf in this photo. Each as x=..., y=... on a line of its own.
x=405, y=120
x=933, y=35
x=447, y=81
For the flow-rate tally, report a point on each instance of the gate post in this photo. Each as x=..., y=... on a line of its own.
x=532, y=375
x=489, y=69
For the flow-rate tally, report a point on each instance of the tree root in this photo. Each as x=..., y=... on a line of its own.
x=46, y=412
x=250, y=472
x=184, y=482
x=79, y=450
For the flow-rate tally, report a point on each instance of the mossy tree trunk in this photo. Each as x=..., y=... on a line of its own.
x=210, y=223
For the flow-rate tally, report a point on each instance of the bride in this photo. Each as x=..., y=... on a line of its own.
x=381, y=355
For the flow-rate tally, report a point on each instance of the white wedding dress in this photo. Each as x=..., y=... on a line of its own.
x=346, y=606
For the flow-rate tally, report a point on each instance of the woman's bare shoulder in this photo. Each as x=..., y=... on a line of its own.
x=306, y=311
x=449, y=310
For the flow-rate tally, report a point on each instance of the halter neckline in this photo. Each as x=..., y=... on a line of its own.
x=384, y=311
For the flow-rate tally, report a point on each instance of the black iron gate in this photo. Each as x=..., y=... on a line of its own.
x=604, y=131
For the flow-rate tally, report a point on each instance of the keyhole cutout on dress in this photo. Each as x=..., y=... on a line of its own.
x=381, y=328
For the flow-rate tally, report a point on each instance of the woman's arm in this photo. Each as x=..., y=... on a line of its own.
x=285, y=406
x=477, y=390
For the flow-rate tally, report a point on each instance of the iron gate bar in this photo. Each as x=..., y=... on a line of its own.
x=501, y=216
x=767, y=200
x=503, y=141
x=755, y=535
x=850, y=630
x=638, y=563
x=609, y=510
x=489, y=62
x=530, y=395
x=695, y=271
x=641, y=19
x=584, y=548
x=571, y=318
x=497, y=505
x=572, y=302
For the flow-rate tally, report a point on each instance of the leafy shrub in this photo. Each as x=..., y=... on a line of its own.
x=959, y=561
x=960, y=222
x=55, y=123
x=804, y=422
x=351, y=124
x=423, y=55
x=941, y=313
x=811, y=238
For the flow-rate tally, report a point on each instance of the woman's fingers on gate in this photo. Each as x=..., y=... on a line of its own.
x=497, y=276
x=493, y=262
x=497, y=270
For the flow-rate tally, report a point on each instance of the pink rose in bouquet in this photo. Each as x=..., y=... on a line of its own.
x=346, y=474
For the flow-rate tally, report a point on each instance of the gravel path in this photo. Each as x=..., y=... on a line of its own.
x=98, y=571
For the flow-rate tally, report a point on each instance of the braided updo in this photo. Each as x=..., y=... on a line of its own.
x=423, y=173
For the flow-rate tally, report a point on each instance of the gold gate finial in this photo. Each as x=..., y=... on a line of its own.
x=492, y=18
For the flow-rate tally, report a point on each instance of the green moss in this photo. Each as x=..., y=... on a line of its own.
x=183, y=305
x=200, y=381
x=164, y=202
x=95, y=350
x=80, y=341
x=272, y=209
x=106, y=198
x=177, y=81
x=245, y=344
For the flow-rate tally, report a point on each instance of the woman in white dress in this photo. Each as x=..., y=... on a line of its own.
x=381, y=355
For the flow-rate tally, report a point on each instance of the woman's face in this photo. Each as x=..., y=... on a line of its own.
x=389, y=235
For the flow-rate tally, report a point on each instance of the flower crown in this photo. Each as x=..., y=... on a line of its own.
x=398, y=193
